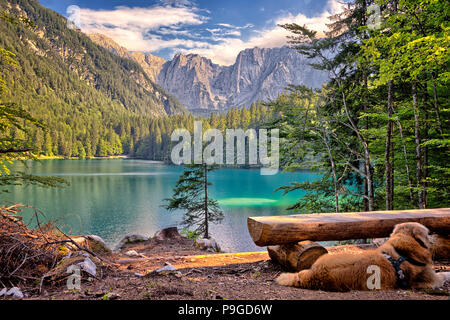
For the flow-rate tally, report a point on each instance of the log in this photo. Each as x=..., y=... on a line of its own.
x=296, y=256
x=274, y=230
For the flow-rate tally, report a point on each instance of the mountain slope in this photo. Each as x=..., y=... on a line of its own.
x=191, y=78
x=150, y=64
x=93, y=102
x=257, y=74
x=119, y=78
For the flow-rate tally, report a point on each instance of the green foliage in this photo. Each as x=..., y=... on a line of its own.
x=157, y=145
x=403, y=66
x=15, y=122
x=93, y=102
x=309, y=140
x=191, y=195
x=412, y=48
x=84, y=94
x=190, y=234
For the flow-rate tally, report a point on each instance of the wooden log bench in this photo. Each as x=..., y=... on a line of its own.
x=290, y=238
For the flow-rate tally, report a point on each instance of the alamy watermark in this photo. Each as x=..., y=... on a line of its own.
x=192, y=151
x=374, y=280
x=74, y=280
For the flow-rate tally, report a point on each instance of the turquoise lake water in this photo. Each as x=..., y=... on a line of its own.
x=116, y=197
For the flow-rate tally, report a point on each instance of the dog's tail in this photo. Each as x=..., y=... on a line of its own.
x=288, y=279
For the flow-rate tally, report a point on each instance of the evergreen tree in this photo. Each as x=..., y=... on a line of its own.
x=382, y=120
x=191, y=195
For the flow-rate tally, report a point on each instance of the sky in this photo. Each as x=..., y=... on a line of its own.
x=218, y=30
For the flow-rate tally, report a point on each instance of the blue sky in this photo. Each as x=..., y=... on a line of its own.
x=216, y=29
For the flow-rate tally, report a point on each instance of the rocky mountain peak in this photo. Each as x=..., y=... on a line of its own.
x=200, y=84
x=257, y=74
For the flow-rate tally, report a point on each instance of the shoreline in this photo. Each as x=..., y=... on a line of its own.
x=123, y=157
x=78, y=158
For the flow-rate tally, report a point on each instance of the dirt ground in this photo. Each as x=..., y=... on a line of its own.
x=206, y=276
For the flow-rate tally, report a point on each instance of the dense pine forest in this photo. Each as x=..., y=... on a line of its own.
x=93, y=103
x=156, y=145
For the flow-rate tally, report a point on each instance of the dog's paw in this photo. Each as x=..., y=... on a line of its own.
x=441, y=278
x=445, y=276
x=286, y=279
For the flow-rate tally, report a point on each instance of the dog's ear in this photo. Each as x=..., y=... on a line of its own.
x=421, y=236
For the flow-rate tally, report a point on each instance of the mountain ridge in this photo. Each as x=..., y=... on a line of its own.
x=117, y=77
x=257, y=74
x=92, y=102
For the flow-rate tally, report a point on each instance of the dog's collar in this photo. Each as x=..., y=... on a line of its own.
x=401, y=279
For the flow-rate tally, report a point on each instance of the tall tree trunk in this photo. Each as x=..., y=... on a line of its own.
x=333, y=170
x=436, y=105
x=405, y=154
x=425, y=149
x=419, y=164
x=368, y=192
x=425, y=175
x=366, y=126
x=366, y=153
x=368, y=176
x=206, y=202
x=324, y=137
x=392, y=171
x=387, y=151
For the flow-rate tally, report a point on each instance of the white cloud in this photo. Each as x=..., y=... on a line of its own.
x=142, y=29
x=173, y=32
x=130, y=27
x=227, y=49
x=225, y=30
x=218, y=33
x=180, y=3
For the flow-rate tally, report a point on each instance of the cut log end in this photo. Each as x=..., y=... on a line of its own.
x=296, y=256
x=255, y=229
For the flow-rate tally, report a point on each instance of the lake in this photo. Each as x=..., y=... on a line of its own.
x=115, y=197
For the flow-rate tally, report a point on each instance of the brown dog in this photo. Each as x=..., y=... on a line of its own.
x=404, y=260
